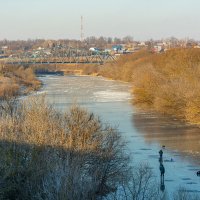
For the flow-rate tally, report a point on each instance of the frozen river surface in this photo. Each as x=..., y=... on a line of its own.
x=145, y=133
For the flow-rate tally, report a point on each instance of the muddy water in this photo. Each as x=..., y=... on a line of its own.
x=145, y=133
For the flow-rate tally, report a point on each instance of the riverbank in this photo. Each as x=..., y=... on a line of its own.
x=16, y=81
x=167, y=83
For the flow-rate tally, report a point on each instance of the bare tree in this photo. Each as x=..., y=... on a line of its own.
x=50, y=155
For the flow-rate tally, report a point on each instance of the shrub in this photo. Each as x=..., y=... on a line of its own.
x=50, y=155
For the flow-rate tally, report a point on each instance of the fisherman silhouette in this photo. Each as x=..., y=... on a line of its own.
x=161, y=154
x=162, y=172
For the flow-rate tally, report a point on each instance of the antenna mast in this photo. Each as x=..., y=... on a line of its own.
x=82, y=35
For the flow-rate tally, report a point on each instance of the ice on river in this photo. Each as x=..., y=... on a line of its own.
x=111, y=96
x=111, y=101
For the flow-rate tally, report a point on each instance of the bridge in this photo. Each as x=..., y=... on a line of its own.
x=59, y=55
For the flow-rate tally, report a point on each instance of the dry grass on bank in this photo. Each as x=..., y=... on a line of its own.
x=17, y=80
x=168, y=82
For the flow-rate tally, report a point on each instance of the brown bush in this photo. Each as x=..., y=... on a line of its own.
x=50, y=155
x=168, y=82
x=8, y=90
x=17, y=80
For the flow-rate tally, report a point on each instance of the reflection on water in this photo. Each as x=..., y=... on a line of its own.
x=175, y=135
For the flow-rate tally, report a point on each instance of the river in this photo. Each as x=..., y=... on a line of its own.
x=145, y=133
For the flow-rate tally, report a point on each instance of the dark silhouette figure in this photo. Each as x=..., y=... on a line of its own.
x=198, y=173
x=161, y=156
x=162, y=171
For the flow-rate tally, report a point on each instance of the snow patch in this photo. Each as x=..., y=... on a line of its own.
x=111, y=96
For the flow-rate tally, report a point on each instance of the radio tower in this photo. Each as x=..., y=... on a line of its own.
x=82, y=35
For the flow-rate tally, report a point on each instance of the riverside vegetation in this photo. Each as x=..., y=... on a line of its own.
x=168, y=82
x=17, y=81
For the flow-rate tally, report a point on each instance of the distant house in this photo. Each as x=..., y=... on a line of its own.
x=40, y=48
x=197, y=46
x=142, y=44
x=5, y=47
x=47, y=52
x=107, y=50
x=158, y=49
x=94, y=49
x=117, y=48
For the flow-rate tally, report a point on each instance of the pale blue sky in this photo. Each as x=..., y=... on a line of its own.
x=60, y=19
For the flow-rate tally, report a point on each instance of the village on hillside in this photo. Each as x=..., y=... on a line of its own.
x=46, y=48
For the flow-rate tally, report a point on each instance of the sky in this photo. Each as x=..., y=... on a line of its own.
x=61, y=19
